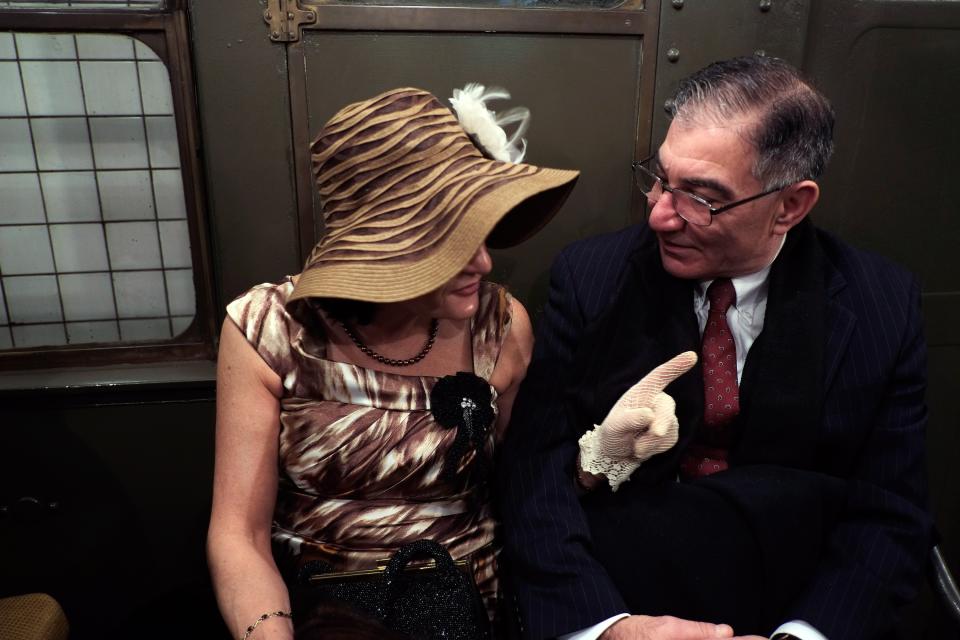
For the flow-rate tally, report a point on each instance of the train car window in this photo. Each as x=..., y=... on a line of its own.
x=99, y=221
x=94, y=246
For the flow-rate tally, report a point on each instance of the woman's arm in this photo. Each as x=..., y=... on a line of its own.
x=245, y=577
x=512, y=364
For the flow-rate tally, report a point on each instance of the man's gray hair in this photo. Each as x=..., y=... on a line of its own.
x=792, y=122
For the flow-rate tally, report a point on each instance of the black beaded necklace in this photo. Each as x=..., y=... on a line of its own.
x=434, y=327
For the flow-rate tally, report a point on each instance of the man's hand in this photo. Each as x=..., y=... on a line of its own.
x=640, y=425
x=645, y=412
x=664, y=628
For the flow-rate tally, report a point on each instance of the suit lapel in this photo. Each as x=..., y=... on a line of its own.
x=804, y=334
x=680, y=333
x=840, y=323
x=652, y=321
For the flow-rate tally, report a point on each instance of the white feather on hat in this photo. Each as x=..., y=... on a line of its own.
x=486, y=126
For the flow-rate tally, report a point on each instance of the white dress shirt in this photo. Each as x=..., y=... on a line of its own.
x=745, y=318
x=745, y=315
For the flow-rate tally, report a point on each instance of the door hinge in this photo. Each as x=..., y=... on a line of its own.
x=285, y=18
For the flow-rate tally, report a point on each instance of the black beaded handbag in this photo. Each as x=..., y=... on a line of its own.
x=421, y=602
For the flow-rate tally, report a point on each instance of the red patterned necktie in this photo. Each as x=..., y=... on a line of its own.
x=708, y=453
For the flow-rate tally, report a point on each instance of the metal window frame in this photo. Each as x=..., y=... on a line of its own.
x=165, y=30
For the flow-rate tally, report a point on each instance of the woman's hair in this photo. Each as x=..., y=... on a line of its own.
x=349, y=311
x=306, y=311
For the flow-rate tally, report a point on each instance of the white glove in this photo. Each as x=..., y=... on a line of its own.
x=640, y=425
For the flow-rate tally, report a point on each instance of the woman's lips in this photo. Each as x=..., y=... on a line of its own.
x=468, y=290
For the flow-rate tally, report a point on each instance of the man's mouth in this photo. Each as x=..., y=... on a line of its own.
x=674, y=248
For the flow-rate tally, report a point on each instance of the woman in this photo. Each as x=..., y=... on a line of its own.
x=329, y=447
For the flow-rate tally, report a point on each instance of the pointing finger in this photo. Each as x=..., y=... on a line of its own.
x=658, y=379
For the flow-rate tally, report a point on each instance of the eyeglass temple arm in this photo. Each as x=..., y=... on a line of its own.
x=715, y=211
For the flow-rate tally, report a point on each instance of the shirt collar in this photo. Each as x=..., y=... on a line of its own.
x=751, y=288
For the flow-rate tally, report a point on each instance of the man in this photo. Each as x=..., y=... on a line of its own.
x=794, y=499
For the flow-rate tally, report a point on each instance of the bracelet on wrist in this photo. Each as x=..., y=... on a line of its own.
x=268, y=614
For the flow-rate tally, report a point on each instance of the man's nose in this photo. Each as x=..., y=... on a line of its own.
x=663, y=214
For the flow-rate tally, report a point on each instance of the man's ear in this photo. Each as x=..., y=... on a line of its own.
x=796, y=202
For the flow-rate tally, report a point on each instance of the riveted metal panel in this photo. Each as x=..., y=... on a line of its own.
x=891, y=184
x=891, y=69
x=583, y=93
x=702, y=31
x=245, y=113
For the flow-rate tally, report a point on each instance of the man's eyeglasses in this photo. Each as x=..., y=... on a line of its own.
x=689, y=206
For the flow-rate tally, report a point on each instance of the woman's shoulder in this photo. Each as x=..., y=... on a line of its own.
x=260, y=300
x=261, y=315
x=267, y=292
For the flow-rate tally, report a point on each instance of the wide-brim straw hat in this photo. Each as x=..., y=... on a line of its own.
x=408, y=197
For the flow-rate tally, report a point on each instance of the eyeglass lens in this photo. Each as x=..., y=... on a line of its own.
x=687, y=207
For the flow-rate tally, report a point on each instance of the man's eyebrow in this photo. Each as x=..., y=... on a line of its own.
x=712, y=185
x=703, y=183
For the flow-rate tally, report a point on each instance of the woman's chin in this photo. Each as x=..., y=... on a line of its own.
x=460, y=307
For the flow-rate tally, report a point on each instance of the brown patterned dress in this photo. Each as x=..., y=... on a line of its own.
x=360, y=454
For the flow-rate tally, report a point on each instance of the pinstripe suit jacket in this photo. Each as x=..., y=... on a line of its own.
x=834, y=387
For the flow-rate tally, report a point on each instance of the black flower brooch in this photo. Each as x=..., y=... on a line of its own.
x=463, y=402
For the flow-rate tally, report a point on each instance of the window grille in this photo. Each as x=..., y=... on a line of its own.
x=94, y=245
